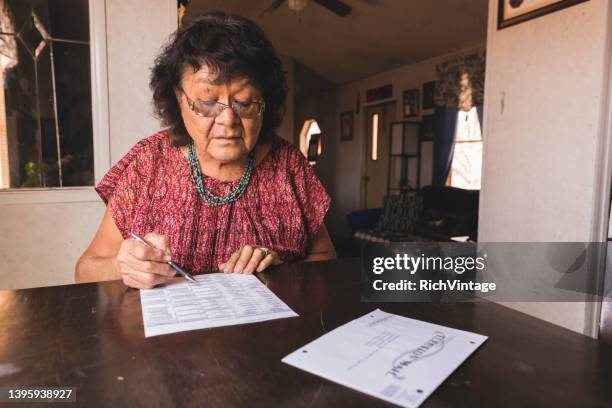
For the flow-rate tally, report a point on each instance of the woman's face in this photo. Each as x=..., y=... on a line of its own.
x=226, y=137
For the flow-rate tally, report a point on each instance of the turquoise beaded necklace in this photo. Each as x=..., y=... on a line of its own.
x=209, y=197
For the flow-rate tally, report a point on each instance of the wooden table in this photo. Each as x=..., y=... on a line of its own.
x=90, y=336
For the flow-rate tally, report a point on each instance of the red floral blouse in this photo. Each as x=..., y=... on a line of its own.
x=152, y=190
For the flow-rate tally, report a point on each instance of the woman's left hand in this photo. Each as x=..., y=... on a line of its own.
x=250, y=259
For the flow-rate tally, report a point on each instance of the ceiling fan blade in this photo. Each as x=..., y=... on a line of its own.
x=271, y=8
x=335, y=6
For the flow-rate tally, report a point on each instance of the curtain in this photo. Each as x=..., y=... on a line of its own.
x=445, y=123
x=459, y=86
x=460, y=82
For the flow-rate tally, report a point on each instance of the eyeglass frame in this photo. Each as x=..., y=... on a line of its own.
x=191, y=103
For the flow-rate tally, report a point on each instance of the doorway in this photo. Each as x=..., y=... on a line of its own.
x=376, y=169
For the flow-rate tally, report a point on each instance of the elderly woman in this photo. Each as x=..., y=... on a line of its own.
x=217, y=190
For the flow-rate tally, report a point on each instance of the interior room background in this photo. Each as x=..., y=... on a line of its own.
x=528, y=120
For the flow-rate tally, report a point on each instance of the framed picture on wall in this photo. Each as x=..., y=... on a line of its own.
x=346, y=126
x=380, y=93
x=411, y=101
x=428, y=95
x=512, y=12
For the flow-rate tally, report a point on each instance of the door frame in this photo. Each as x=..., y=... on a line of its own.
x=364, y=125
x=603, y=185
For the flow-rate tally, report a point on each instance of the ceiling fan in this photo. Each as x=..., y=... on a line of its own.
x=335, y=6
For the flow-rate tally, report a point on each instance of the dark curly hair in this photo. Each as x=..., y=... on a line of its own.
x=231, y=46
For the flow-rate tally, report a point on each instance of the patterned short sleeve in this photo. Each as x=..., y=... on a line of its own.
x=313, y=199
x=122, y=186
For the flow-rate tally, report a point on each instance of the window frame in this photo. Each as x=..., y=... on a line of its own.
x=100, y=124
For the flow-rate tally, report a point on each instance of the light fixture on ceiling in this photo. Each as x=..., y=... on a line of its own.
x=338, y=7
x=297, y=5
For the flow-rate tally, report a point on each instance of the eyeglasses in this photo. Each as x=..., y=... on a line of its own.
x=211, y=109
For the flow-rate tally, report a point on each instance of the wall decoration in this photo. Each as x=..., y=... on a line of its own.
x=428, y=95
x=346, y=126
x=512, y=12
x=427, y=127
x=411, y=100
x=380, y=93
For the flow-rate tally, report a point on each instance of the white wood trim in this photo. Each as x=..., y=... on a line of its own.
x=100, y=123
x=20, y=196
x=603, y=179
x=491, y=29
x=99, y=87
x=380, y=102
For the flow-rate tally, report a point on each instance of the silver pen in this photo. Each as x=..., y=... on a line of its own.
x=172, y=264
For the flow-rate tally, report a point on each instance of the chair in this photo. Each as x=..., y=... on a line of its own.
x=434, y=213
x=392, y=222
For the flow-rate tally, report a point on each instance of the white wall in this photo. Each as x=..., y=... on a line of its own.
x=543, y=106
x=41, y=239
x=136, y=30
x=41, y=242
x=340, y=167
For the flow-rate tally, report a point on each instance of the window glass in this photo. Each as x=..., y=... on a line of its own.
x=46, y=132
x=466, y=168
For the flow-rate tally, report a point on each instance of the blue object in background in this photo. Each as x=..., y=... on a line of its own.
x=363, y=219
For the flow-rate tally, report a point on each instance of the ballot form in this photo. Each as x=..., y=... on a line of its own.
x=214, y=300
x=391, y=357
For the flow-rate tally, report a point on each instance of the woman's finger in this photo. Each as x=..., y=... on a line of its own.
x=144, y=278
x=147, y=280
x=243, y=260
x=130, y=282
x=271, y=259
x=146, y=253
x=157, y=268
x=229, y=265
x=159, y=241
x=267, y=261
x=256, y=258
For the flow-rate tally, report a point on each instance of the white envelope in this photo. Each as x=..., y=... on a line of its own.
x=391, y=357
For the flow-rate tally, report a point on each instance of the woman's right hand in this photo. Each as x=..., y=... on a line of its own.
x=142, y=266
